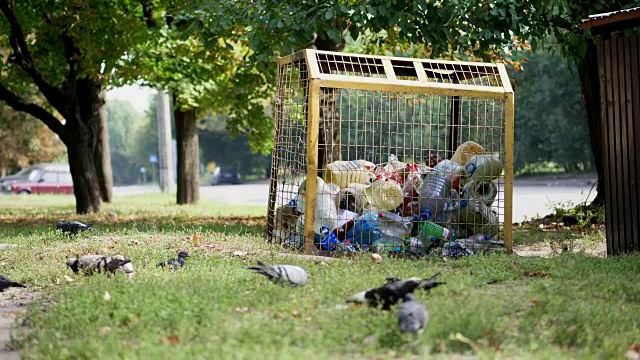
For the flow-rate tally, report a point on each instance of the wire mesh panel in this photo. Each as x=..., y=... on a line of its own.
x=412, y=155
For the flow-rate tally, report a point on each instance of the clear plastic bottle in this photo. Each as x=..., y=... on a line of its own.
x=394, y=229
x=434, y=194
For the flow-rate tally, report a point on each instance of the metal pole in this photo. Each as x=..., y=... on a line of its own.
x=165, y=156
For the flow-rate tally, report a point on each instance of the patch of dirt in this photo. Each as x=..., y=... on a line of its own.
x=598, y=250
x=13, y=302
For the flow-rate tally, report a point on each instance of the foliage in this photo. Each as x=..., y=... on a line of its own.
x=208, y=74
x=26, y=142
x=550, y=123
x=162, y=315
x=216, y=144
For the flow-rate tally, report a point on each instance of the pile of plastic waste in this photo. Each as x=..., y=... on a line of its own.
x=444, y=208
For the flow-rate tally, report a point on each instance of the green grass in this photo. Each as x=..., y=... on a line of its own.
x=570, y=306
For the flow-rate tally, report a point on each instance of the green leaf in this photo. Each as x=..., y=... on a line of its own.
x=329, y=14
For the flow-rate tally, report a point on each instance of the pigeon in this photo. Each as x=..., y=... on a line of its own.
x=412, y=315
x=90, y=264
x=6, y=283
x=174, y=263
x=289, y=274
x=73, y=227
x=388, y=294
x=430, y=283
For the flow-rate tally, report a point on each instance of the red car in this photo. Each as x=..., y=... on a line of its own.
x=39, y=179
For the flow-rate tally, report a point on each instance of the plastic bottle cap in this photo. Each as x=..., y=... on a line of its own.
x=486, y=237
x=433, y=239
x=292, y=203
x=381, y=214
x=463, y=203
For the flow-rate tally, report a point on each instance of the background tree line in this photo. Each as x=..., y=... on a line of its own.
x=219, y=56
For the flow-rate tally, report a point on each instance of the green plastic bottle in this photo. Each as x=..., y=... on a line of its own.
x=433, y=231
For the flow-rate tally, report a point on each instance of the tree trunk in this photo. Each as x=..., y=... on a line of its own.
x=590, y=89
x=102, y=155
x=329, y=140
x=83, y=173
x=188, y=157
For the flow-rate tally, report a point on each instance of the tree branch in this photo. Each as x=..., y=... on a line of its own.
x=19, y=104
x=22, y=57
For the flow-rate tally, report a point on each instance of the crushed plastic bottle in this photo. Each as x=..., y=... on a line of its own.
x=430, y=232
x=455, y=250
x=394, y=229
x=365, y=231
x=329, y=240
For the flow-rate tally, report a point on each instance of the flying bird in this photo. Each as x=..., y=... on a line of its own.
x=174, y=263
x=73, y=227
x=387, y=295
x=412, y=315
x=6, y=283
x=282, y=274
x=90, y=264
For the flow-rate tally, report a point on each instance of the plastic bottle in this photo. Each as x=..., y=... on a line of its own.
x=329, y=240
x=476, y=216
x=394, y=229
x=343, y=173
x=415, y=246
x=431, y=231
x=486, y=192
x=452, y=170
x=454, y=249
x=435, y=191
x=483, y=168
x=365, y=231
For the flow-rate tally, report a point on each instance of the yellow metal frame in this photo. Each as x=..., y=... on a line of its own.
x=317, y=81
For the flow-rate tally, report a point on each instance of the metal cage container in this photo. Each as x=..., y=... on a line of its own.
x=379, y=135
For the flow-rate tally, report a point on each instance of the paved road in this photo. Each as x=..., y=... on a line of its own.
x=530, y=198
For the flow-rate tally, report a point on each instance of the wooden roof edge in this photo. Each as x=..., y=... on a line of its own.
x=610, y=18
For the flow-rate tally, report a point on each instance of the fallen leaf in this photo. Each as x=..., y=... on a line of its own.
x=239, y=253
x=107, y=296
x=536, y=274
x=466, y=340
x=324, y=263
x=242, y=310
x=295, y=314
x=247, y=292
x=173, y=339
x=57, y=281
x=104, y=330
x=341, y=307
x=195, y=240
x=68, y=278
x=571, y=329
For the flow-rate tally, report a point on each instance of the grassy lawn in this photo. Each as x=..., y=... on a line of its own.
x=570, y=306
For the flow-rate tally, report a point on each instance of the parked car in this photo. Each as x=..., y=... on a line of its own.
x=46, y=178
x=225, y=176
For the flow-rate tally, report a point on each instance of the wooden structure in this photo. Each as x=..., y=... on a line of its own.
x=619, y=72
x=378, y=106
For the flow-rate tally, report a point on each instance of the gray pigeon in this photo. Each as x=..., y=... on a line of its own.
x=388, y=294
x=73, y=227
x=291, y=274
x=412, y=315
x=6, y=283
x=90, y=264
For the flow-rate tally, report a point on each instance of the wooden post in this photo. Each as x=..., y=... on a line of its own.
x=508, y=173
x=312, y=165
